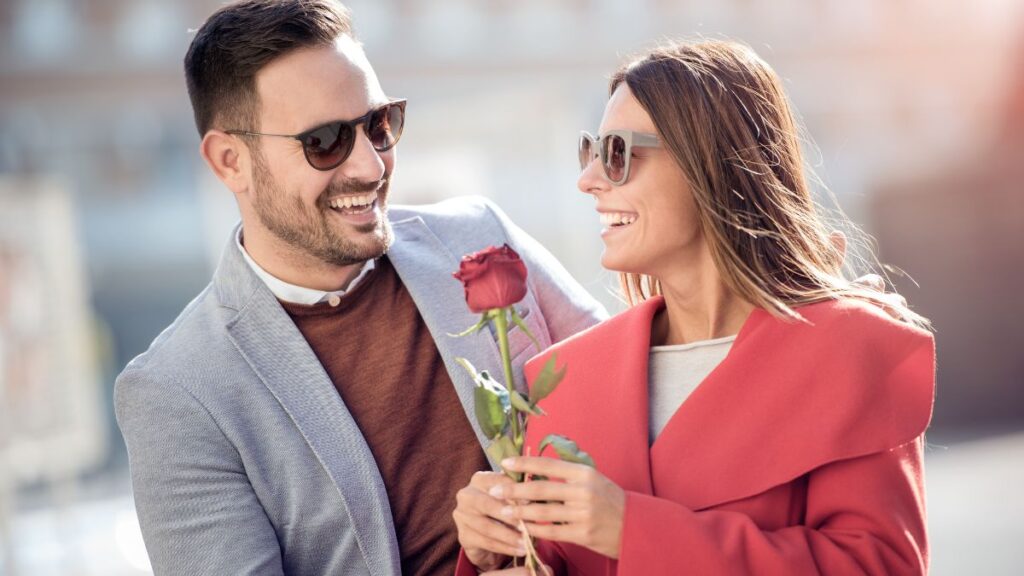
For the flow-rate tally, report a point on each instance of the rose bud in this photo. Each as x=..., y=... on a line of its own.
x=493, y=278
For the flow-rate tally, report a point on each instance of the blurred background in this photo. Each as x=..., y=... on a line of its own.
x=110, y=222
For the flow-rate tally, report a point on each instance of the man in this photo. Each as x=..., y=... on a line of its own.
x=305, y=413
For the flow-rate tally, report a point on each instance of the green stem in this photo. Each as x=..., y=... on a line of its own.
x=501, y=327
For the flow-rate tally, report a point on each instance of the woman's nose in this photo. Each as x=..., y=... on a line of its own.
x=592, y=180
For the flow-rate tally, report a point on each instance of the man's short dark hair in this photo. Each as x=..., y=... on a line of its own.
x=238, y=40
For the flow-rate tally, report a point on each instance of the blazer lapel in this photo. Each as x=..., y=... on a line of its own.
x=425, y=265
x=279, y=355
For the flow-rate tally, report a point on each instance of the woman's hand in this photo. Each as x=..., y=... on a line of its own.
x=483, y=534
x=521, y=571
x=586, y=509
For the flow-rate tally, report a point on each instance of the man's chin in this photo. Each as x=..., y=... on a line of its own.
x=370, y=246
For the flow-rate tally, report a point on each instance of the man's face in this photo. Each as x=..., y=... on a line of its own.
x=302, y=207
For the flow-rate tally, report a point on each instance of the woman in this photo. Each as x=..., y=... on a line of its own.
x=753, y=412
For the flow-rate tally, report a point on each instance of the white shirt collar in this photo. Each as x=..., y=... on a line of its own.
x=299, y=294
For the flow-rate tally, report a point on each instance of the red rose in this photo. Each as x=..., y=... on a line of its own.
x=493, y=278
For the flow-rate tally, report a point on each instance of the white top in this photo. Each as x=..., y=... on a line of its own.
x=299, y=294
x=674, y=372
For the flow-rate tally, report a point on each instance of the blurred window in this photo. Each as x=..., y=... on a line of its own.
x=151, y=30
x=44, y=29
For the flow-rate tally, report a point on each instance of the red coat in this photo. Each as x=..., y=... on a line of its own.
x=799, y=454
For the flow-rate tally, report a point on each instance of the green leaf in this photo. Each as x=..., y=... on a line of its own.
x=567, y=450
x=523, y=405
x=490, y=401
x=546, y=382
x=518, y=320
x=501, y=448
x=490, y=413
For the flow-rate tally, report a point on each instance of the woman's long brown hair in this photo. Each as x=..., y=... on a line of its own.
x=722, y=114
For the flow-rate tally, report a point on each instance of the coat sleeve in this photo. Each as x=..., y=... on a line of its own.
x=864, y=516
x=567, y=307
x=198, y=512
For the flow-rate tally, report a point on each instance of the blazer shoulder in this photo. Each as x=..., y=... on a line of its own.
x=194, y=340
x=462, y=224
x=474, y=209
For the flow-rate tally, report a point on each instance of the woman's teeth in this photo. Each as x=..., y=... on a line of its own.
x=617, y=218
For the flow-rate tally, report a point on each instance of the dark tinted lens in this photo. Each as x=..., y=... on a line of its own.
x=614, y=157
x=385, y=126
x=328, y=145
x=585, y=151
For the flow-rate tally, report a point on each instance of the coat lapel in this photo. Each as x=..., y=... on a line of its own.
x=793, y=396
x=425, y=266
x=603, y=403
x=788, y=398
x=269, y=341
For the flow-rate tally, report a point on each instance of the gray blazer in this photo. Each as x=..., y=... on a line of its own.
x=244, y=459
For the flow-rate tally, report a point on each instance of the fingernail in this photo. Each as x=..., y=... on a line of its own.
x=521, y=551
x=507, y=462
x=506, y=511
x=497, y=491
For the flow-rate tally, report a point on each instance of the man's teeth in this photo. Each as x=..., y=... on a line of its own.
x=617, y=218
x=354, y=201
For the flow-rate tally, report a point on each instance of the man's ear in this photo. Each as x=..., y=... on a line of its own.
x=229, y=159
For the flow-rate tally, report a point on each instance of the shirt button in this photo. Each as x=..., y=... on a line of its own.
x=334, y=300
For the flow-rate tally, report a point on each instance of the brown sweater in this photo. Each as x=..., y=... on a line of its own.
x=382, y=359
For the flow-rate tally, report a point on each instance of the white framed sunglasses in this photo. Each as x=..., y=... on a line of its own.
x=615, y=148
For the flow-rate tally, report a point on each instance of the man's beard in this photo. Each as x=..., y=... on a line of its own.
x=310, y=231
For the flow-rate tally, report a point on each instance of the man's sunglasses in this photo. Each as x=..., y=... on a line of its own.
x=615, y=149
x=327, y=146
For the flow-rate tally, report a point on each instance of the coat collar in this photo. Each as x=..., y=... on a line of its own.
x=788, y=398
x=607, y=420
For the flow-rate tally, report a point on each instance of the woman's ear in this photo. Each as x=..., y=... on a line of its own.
x=839, y=243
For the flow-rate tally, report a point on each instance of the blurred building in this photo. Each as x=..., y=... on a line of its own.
x=906, y=103
x=959, y=228
x=92, y=91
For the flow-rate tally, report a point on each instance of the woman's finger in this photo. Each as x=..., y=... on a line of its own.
x=485, y=480
x=536, y=490
x=572, y=533
x=484, y=514
x=550, y=467
x=545, y=513
x=480, y=532
x=521, y=571
x=473, y=501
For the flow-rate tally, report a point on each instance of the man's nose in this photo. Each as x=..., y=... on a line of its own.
x=364, y=163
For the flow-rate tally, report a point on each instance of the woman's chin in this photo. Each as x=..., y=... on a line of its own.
x=616, y=263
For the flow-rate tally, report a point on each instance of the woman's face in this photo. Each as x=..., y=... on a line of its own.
x=650, y=221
